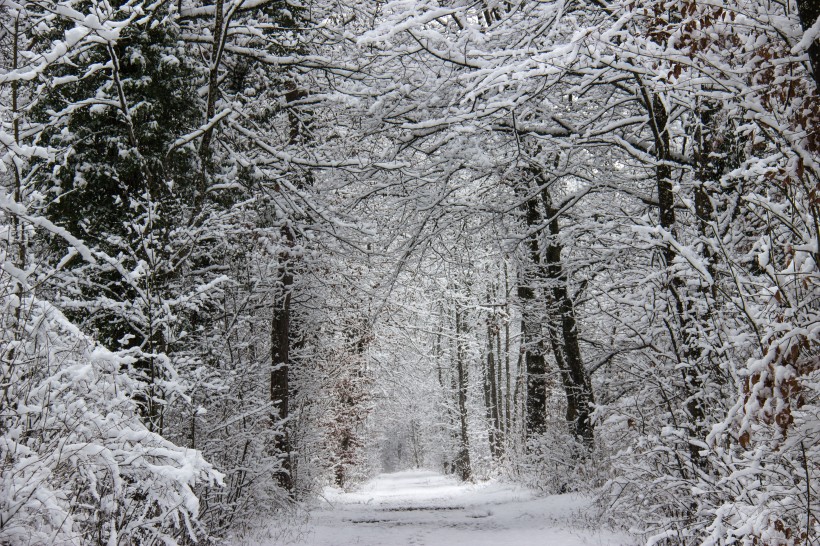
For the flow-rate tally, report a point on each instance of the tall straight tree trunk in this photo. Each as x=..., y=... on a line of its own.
x=689, y=352
x=488, y=402
x=576, y=381
x=281, y=324
x=809, y=11
x=571, y=415
x=205, y=151
x=536, y=365
x=519, y=405
x=491, y=430
x=507, y=398
x=492, y=391
x=499, y=392
x=358, y=338
x=449, y=466
x=545, y=255
x=280, y=372
x=463, y=466
x=17, y=226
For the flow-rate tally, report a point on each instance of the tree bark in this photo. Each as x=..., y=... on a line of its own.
x=536, y=366
x=280, y=371
x=577, y=385
x=508, y=383
x=491, y=430
x=809, y=11
x=492, y=391
x=499, y=392
x=462, y=462
x=546, y=258
x=17, y=226
x=281, y=327
x=210, y=105
x=688, y=354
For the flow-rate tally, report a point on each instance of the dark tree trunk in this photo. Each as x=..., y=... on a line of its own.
x=709, y=164
x=344, y=446
x=508, y=382
x=205, y=151
x=563, y=336
x=415, y=437
x=534, y=361
x=535, y=365
x=488, y=412
x=449, y=466
x=809, y=11
x=280, y=371
x=519, y=405
x=462, y=462
x=689, y=352
x=491, y=431
x=563, y=371
x=281, y=327
x=577, y=386
x=492, y=392
x=499, y=393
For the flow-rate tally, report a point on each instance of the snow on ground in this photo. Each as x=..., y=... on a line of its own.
x=423, y=508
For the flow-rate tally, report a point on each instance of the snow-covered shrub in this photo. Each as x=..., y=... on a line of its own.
x=77, y=465
x=746, y=472
x=555, y=461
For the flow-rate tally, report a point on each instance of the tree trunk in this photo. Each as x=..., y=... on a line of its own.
x=280, y=372
x=415, y=434
x=499, y=392
x=578, y=387
x=447, y=387
x=566, y=347
x=205, y=151
x=809, y=11
x=508, y=383
x=18, y=230
x=462, y=462
x=689, y=352
x=534, y=360
x=519, y=406
x=492, y=390
x=571, y=415
x=281, y=327
x=491, y=430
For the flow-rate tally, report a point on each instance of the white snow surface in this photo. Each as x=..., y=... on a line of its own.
x=424, y=508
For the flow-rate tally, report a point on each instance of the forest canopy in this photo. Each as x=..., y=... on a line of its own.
x=251, y=248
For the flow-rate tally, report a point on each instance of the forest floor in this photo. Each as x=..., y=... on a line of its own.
x=423, y=508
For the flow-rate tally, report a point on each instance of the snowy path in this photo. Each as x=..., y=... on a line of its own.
x=422, y=508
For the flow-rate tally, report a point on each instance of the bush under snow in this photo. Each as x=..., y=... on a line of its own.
x=77, y=466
